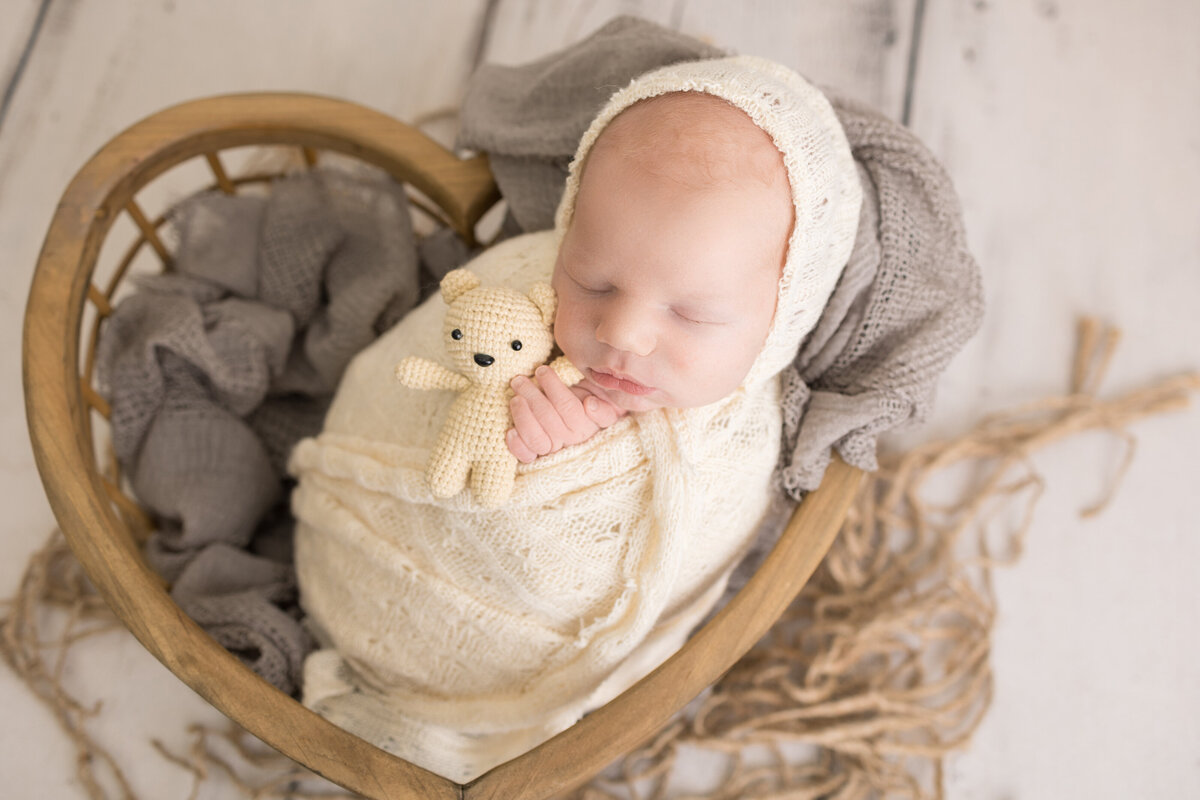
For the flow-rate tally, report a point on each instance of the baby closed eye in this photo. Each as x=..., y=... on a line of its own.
x=696, y=317
x=589, y=290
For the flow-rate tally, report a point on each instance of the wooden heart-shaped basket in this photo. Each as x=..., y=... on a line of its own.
x=105, y=527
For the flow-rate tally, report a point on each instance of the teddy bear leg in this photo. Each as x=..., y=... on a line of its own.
x=492, y=480
x=447, y=472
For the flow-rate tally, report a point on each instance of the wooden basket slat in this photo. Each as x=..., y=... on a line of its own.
x=149, y=231
x=218, y=171
x=427, y=209
x=143, y=524
x=100, y=300
x=95, y=400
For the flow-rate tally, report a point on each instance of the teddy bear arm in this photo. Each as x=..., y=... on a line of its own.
x=421, y=373
x=567, y=372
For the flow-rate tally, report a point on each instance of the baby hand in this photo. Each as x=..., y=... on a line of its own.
x=547, y=416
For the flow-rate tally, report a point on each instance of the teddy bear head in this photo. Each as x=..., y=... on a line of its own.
x=494, y=333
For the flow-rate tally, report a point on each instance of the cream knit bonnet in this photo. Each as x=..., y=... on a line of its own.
x=826, y=193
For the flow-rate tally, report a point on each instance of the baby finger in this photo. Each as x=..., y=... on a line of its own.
x=566, y=403
x=517, y=446
x=601, y=413
x=543, y=414
x=529, y=428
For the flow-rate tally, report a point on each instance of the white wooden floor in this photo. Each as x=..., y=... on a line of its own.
x=1072, y=130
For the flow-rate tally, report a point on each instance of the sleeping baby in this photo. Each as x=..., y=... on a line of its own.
x=709, y=211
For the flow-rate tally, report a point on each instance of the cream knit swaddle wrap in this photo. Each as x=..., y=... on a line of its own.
x=457, y=637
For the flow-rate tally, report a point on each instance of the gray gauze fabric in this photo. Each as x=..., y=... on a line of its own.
x=216, y=369
x=909, y=298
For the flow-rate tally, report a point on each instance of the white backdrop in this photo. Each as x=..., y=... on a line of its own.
x=1072, y=131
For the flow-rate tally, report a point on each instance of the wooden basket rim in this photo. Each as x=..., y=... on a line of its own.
x=56, y=414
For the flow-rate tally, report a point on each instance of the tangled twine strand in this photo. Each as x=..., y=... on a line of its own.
x=878, y=670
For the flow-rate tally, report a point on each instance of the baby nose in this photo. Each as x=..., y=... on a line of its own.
x=483, y=359
x=627, y=330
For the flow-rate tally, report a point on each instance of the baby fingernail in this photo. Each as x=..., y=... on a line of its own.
x=589, y=403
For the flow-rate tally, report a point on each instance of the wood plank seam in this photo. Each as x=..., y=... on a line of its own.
x=914, y=54
x=18, y=72
x=484, y=36
x=678, y=9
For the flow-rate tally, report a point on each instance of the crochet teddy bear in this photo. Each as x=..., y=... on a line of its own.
x=493, y=334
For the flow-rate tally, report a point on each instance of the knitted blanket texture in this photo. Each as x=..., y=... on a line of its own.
x=216, y=371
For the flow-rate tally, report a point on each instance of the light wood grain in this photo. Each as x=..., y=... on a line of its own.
x=19, y=17
x=1072, y=131
x=860, y=47
x=1041, y=110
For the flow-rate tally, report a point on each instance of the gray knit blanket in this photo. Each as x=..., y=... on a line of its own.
x=215, y=371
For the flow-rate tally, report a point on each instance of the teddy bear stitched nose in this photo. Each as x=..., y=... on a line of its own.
x=483, y=360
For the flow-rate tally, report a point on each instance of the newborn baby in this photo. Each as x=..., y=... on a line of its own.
x=708, y=213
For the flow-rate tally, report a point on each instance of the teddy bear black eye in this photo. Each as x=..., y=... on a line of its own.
x=456, y=334
x=516, y=345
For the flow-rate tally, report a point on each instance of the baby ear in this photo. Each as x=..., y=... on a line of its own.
x=457, y=283
x=543, y=296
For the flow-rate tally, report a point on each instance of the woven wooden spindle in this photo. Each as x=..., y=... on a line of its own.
x=148, y=230
x=141, y=523
x=218, y=171
x=103, y=306
x=93, y=399
x=99, y=300
x=428, y=210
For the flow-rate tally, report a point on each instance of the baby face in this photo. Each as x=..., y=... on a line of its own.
x=668, y=275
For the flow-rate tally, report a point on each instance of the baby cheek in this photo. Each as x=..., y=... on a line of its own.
x=743, y=348
x=570, y=327
x=718, y=365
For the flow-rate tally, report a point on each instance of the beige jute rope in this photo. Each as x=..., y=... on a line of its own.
x=877, y=672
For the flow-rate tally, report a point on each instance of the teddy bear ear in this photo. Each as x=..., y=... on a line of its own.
x=457, y=283
x=542, y=295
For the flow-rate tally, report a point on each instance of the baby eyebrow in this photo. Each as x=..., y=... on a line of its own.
x=697, y=297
